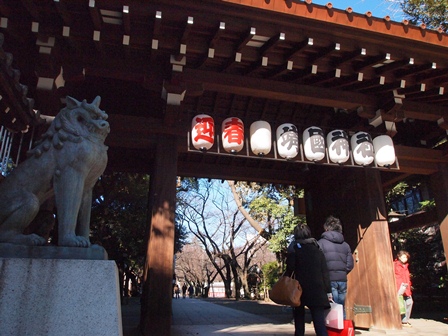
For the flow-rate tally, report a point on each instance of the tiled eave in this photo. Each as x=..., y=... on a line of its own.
x=349, y=19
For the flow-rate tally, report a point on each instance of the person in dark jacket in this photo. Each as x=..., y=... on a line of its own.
x=307, y=261
x=339, y=258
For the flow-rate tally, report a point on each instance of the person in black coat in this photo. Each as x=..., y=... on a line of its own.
x=307, y=261
x=339, y=258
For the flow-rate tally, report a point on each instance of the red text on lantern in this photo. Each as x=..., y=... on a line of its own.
x=234, y=131
x=204, y=129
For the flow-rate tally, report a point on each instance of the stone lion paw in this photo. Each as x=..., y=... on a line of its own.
x=74, y=241
x=29, y=240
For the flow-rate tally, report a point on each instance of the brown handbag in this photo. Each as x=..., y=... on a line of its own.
x=287, y=291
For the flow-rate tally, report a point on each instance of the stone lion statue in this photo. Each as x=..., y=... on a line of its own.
x=66, y=164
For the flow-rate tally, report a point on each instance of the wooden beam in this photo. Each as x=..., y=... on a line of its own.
x=141, y=127
x=32, y=9
x=95, y=15
x=413, y=221
x=420, y=154
x=421, y=111
x=389, y=183
x=241, y=173
x=270, y=89
x=417, y=167
x=304, y=94
x=61, y=7
x=126, y=20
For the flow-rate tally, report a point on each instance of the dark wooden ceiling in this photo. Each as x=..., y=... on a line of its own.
x=287, y=61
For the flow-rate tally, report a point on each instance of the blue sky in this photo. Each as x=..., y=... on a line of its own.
x=379, y=8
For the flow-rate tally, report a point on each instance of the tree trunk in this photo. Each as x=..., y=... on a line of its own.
x=237, y=279
x=227, y=279
x=246, y=215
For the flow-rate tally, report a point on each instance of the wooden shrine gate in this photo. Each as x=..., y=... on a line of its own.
x=157, y=64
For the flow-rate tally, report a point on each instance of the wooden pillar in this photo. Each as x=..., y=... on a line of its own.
x=157, y=282
x=439, y=187
x=355, y=196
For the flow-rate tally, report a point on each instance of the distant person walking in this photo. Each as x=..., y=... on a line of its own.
x=190, y=291
x=176, y=291
x=339, y=258
x=403, y=283
x=307, y=261
x=184, y=290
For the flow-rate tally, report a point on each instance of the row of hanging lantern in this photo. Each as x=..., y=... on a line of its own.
x=364, y=150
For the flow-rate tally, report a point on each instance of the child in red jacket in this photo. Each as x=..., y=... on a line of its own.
x=403, y=282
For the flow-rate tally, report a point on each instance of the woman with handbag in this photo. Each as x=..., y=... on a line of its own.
x=307, y=261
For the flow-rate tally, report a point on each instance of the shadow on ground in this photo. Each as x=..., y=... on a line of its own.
x=431, y=309
x=280, y=314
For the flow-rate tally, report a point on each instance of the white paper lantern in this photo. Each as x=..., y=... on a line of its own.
x=362, y=148
x=384, y=150
x=287, y=141
x=202, y=132
x=260, y=137
x=232, y=135
x=314, y=143
x=338, y=146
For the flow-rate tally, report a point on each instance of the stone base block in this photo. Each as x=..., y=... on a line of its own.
x=55, y=297
x=94, y=252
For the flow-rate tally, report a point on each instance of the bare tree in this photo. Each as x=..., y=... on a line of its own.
x=194, y=267
x=228, y=241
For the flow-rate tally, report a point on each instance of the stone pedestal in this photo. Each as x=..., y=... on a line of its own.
x=54, y=297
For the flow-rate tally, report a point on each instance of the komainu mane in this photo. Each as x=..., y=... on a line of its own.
x=66, y=164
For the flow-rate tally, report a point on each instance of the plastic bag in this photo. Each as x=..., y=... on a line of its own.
x=401, y=304
x=335, y=316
